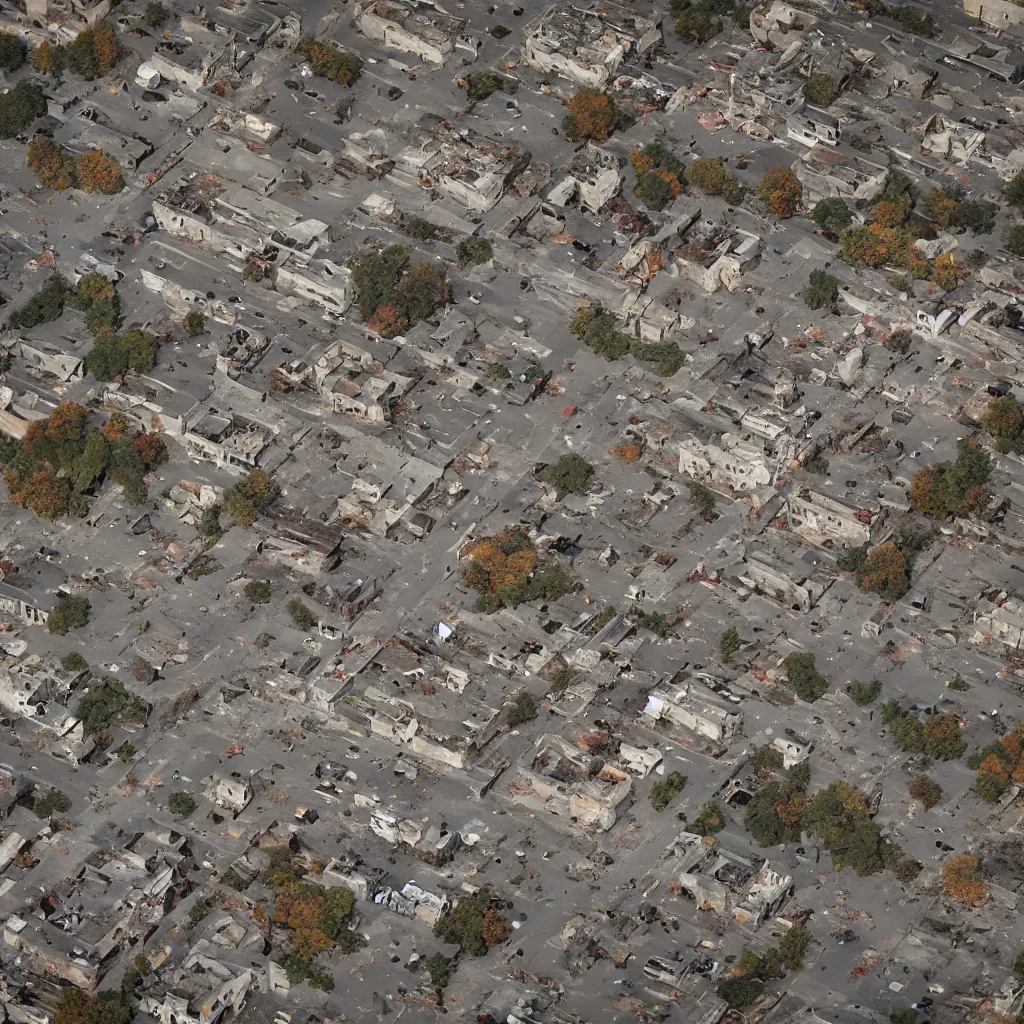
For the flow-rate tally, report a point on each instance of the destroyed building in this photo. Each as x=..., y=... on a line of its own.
x=587, y=44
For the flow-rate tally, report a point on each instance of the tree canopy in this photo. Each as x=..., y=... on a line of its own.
x=569, y=475
x=953, y=489
x=393, y=294
x=63, y=458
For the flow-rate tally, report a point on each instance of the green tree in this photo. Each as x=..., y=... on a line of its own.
x=697, y=25
x=820, y=89
x=833, y=216
x=482, y=84
x=67, y=614
x=761, y=817
x=908, y=735
x=955, y=489
x=107, y=360
x=74, y=662
x=925, y=789
x=822, y=290
x=654, y=191
x=655, y=623
x=975, y=215
x=839, y=817
x=51, y=802
x=703, y=498
x=467, y=925
x=666, y=790
x=259, y=591
x=422, y=230
x=1015, y=240
x=863, y=694
x=707, y=175
x=195, y=323
x=803, y=677
x=303, y=618
x=209, y=524
x=729, y=643
x=326, y=61
x=12, y=51
x=198, y=911
x=710, y=821
x=524, y=709
x=75, y=1006
x=739, y=991
x=1014, y=191
x=155, y=15
x=907, y=869
x=439, y=969
x=250, y=497
x=569, y=475
x=472, y=250
x=107, y=702
x=990, y=788
x=45, y=306
x=793, y=946
x=19, y=107
x=181, y=803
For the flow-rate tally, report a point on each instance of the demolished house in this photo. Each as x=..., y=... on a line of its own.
x=822, y=519
x=466, y=167
x=419, y=27
x=731, y=462
x=581, y=790
x=693, y=709
x=826, y=172
x=714, y=255
x=729, y=884
x=587, y=44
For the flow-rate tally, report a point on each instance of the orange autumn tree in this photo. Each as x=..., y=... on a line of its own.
x=642, y=162
x=947, y=273
x=999, y=765
x=62, y=458
x=885, y=572
x=628, y=452
x=52, y=166
x=42, y=57
x=316, y=918
x=388, y=321
x=43, y=492
x=940, y=206
x=890, y=215
x=152, y=448
x=496, y=928
x=781, y=191
x=670, y=179
x=791, y=809
x=97, y=172
x=862, y=245
x=592, y=115
x=301, y=913
x=105, y=48
x=501, y=561
x=116, y=427
x=962, y=881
